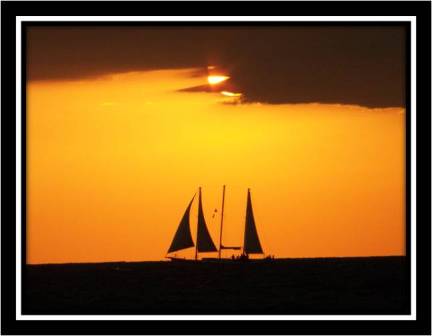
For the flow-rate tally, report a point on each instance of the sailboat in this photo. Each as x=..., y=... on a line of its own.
x=204, y=243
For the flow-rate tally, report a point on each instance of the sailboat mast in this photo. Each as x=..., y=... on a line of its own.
x=221, y=226
x=246, y=218
x=196, y=245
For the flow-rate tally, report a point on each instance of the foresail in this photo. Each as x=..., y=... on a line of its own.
x=204, y=240
x=183, y=238
x=251, y=240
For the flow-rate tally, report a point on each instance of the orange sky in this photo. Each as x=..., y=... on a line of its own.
x=114, y=161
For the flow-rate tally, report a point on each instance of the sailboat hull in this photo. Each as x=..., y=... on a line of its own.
x=181, y=260
x=238, y=260
x=219, y=261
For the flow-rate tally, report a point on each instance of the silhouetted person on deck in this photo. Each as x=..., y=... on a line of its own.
x=244, y=257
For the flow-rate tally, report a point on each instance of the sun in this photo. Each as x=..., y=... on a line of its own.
x=216, y=79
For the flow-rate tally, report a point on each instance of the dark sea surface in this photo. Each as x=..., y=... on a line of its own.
x=372, y=285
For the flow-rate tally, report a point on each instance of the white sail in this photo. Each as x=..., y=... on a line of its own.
x=204, y=240
x=183, y=238
x=251, y=241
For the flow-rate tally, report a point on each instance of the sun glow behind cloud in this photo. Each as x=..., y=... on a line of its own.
x=113, y=162
x=230, y=94
x=216, y=79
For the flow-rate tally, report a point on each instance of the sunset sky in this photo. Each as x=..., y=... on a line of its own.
x=123, y=127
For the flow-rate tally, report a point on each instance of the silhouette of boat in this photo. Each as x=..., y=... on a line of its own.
x=204, y=243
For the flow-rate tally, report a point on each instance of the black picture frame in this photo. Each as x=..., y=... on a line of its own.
x=422, y=325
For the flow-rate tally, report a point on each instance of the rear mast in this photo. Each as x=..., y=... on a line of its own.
x=244, y=247
x=221, y=225
x=196, y=245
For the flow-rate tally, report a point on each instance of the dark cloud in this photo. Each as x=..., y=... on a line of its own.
x=362, y=65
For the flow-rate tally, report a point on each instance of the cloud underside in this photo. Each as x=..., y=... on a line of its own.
x=347, y=65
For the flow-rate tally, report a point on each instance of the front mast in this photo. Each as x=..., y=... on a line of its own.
x=221, y=226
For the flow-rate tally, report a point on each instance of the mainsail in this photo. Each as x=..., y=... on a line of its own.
x=251, y=240
x=183, y=238
x=204, y=241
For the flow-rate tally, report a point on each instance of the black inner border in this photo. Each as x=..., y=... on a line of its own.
x=406, y=25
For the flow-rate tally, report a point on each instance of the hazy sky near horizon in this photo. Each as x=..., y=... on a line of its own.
x=114, y=161
x=123, y=129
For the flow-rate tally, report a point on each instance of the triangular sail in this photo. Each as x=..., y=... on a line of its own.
x=183, y=238
x=204, y=241
x=251, y=240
